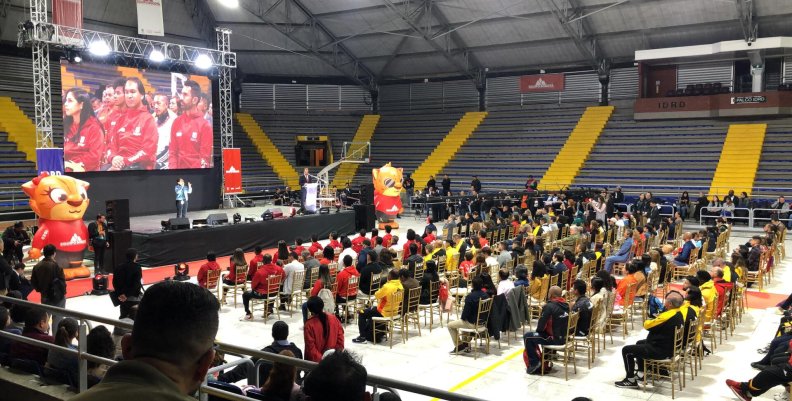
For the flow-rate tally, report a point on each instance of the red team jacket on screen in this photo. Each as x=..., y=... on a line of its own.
x=191, y=142
x=135, y=138
x=67, y=236
x=89, y=147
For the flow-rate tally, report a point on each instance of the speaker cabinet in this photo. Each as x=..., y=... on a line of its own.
x=364, y=217
x=216, y=219
x=179, y=223
x=367, y=194
x=117, y=212
x=119, y=242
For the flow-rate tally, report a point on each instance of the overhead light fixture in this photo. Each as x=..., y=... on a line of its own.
x=203, y=62
x=156, y=56
x=77, y=59
x=230, y=3
x=99, y=48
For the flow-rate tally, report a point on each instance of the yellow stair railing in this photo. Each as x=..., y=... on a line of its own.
x=739, y=159
x=268, y=150
x=346, y=171
x=575, y=151
x=448, y=147
x=19, y=127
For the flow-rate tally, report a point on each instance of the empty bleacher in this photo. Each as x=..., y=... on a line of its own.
x=773, y=176
x=511, y=145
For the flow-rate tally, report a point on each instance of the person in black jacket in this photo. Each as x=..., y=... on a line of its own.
x=14, y=238
x=280, y=337
x=446, y=184
x=127, y=282
x=467, y=320
x=551, y=329
x=583, y=306
x=653, y=213
x=97, y=235
x=19, y=282
x=6, y=274
x=659, y=344
x=476, y=185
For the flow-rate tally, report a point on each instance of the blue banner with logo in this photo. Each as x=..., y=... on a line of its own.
x=50, y=160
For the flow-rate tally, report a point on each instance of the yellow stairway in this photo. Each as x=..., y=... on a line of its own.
x=268, y=150
x=573, y=154
x=448, y=147
x=19, y=127
x=739, y=159
x=346, y=171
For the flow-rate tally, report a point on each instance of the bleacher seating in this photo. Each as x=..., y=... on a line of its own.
x=772, y=177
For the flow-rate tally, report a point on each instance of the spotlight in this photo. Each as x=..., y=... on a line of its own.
x=99, y=48
x=156, y=56
x=77, y=59
x=230, y=3
x=203, y=62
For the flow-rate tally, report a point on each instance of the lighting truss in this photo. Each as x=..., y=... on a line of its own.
x=224, y=87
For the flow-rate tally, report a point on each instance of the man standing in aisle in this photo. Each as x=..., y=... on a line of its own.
x=191, y=134
x=43, y=279
x=182, y=197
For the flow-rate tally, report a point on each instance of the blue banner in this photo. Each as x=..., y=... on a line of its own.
x=50, y=160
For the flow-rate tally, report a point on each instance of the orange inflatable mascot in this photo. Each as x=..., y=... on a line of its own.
x=60, y=202
x=387, y=187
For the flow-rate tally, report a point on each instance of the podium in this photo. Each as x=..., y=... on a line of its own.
x=310, y=197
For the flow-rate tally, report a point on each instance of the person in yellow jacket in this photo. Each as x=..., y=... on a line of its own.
x=452, y=256
x=708, y=293
x=691, y=309
x=388, y=304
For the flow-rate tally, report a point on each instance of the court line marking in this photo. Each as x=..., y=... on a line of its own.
x=478, y=375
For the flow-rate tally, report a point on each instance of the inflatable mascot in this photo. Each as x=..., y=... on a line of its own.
x=60, y=202
x=387, y=187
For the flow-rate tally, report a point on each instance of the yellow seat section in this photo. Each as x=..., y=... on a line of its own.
x=69, y=80
x=576, y=149
x=128, y=72
x=268, y=150
x=448, y=147
x=19, y=127
x=346, y=171
x=739, y=159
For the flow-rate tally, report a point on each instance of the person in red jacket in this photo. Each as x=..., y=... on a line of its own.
x=133, y=143
x=203, y=272
x=191, y=134
x=83, y=144
x=406, y=247
x=117, y=110
x=322, y=332
x=344, y=290
x=357, y=243
x=255, y=263
x=36, y=327
x=259, y=288
x=386, y=239
x=315, y=245
x=334, y=241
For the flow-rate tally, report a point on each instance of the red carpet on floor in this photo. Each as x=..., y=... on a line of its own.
x=80, y=287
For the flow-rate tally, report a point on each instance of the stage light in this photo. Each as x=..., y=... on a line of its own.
x=77, y=59
x=99, y=48
x=203, y=62
x=156, y=56
x=230, y=3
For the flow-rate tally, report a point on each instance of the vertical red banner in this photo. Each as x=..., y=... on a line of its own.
x=232, y=171
x=67, y=13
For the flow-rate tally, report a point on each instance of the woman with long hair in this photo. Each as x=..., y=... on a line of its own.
x=283, y=250
x=64, y=337
x=237, y=260
x=280, y=382
x=323, y=280
x=322, y=332
x=84, y=142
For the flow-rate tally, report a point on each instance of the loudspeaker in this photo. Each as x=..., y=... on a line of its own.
x=216, y=219
x=324, y=210
x=117, y=212
x=267, y=215
x=179, y=223
x=364, y=217
x=119, y=241
x=367, y=194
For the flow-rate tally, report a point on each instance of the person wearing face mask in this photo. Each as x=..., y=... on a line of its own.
x=133, y=142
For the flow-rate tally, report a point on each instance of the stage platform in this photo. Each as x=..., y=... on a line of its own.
x=158, y=248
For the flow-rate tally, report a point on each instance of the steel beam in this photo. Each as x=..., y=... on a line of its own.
x=41, y=76
x=341, y=59
x=224, y=90
x=745, y=14
x=568, y=15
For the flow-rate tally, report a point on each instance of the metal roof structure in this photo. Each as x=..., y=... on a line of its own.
x=370, y=42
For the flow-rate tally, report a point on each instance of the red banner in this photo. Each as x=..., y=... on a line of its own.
x=67, y=13
x=232, y=171
x=542, y=83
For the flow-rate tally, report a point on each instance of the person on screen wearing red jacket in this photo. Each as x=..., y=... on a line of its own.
x=191, y=134
x=133, y=144
x=83, y=144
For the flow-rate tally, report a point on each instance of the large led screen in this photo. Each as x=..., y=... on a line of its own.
x=120, y=118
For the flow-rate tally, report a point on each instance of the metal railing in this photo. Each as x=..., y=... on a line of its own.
x=85, y=319
x=751, y=219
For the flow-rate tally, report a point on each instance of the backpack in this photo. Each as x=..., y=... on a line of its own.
x=329, y=300
x=57, y=289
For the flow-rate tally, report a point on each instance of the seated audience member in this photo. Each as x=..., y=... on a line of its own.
x=583, y=306
x=19, y=282
x=5, y=325
x=323, y=280
x=237, y=260
x=334, y=241
x=322, y=331
x=292, y=266
x=64, y=337
x=504, y=285
x=310, y=263
x=408, y=283
x=357, y=243
x=708, y=292
x=373, y=267
x=387, y=239
x=36, y=327
x=255, y=262
x=280, y=342
x=119, y=332
x=634, y=276
x=328, y=256
x=659, y=344
x=395, y=247
x=211, y=264
x=464, y=268
x=414, y=259
x=159, y=361
x=430, y=276
x=683, y=258
x=386, y=307
x=557, y=267
x=99, y=343
x=777, y=374
x=279, y=383
x=623, y=254
x=259, y=288
x=550, y=329
x=538, y=272
x=337, y=377
x=467, y=320
x=345, y=291
x=315, y=245
x=522, y=276
x=347, y=244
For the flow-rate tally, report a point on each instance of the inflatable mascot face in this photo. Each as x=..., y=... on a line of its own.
x=60, y=202
x=387, y=187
